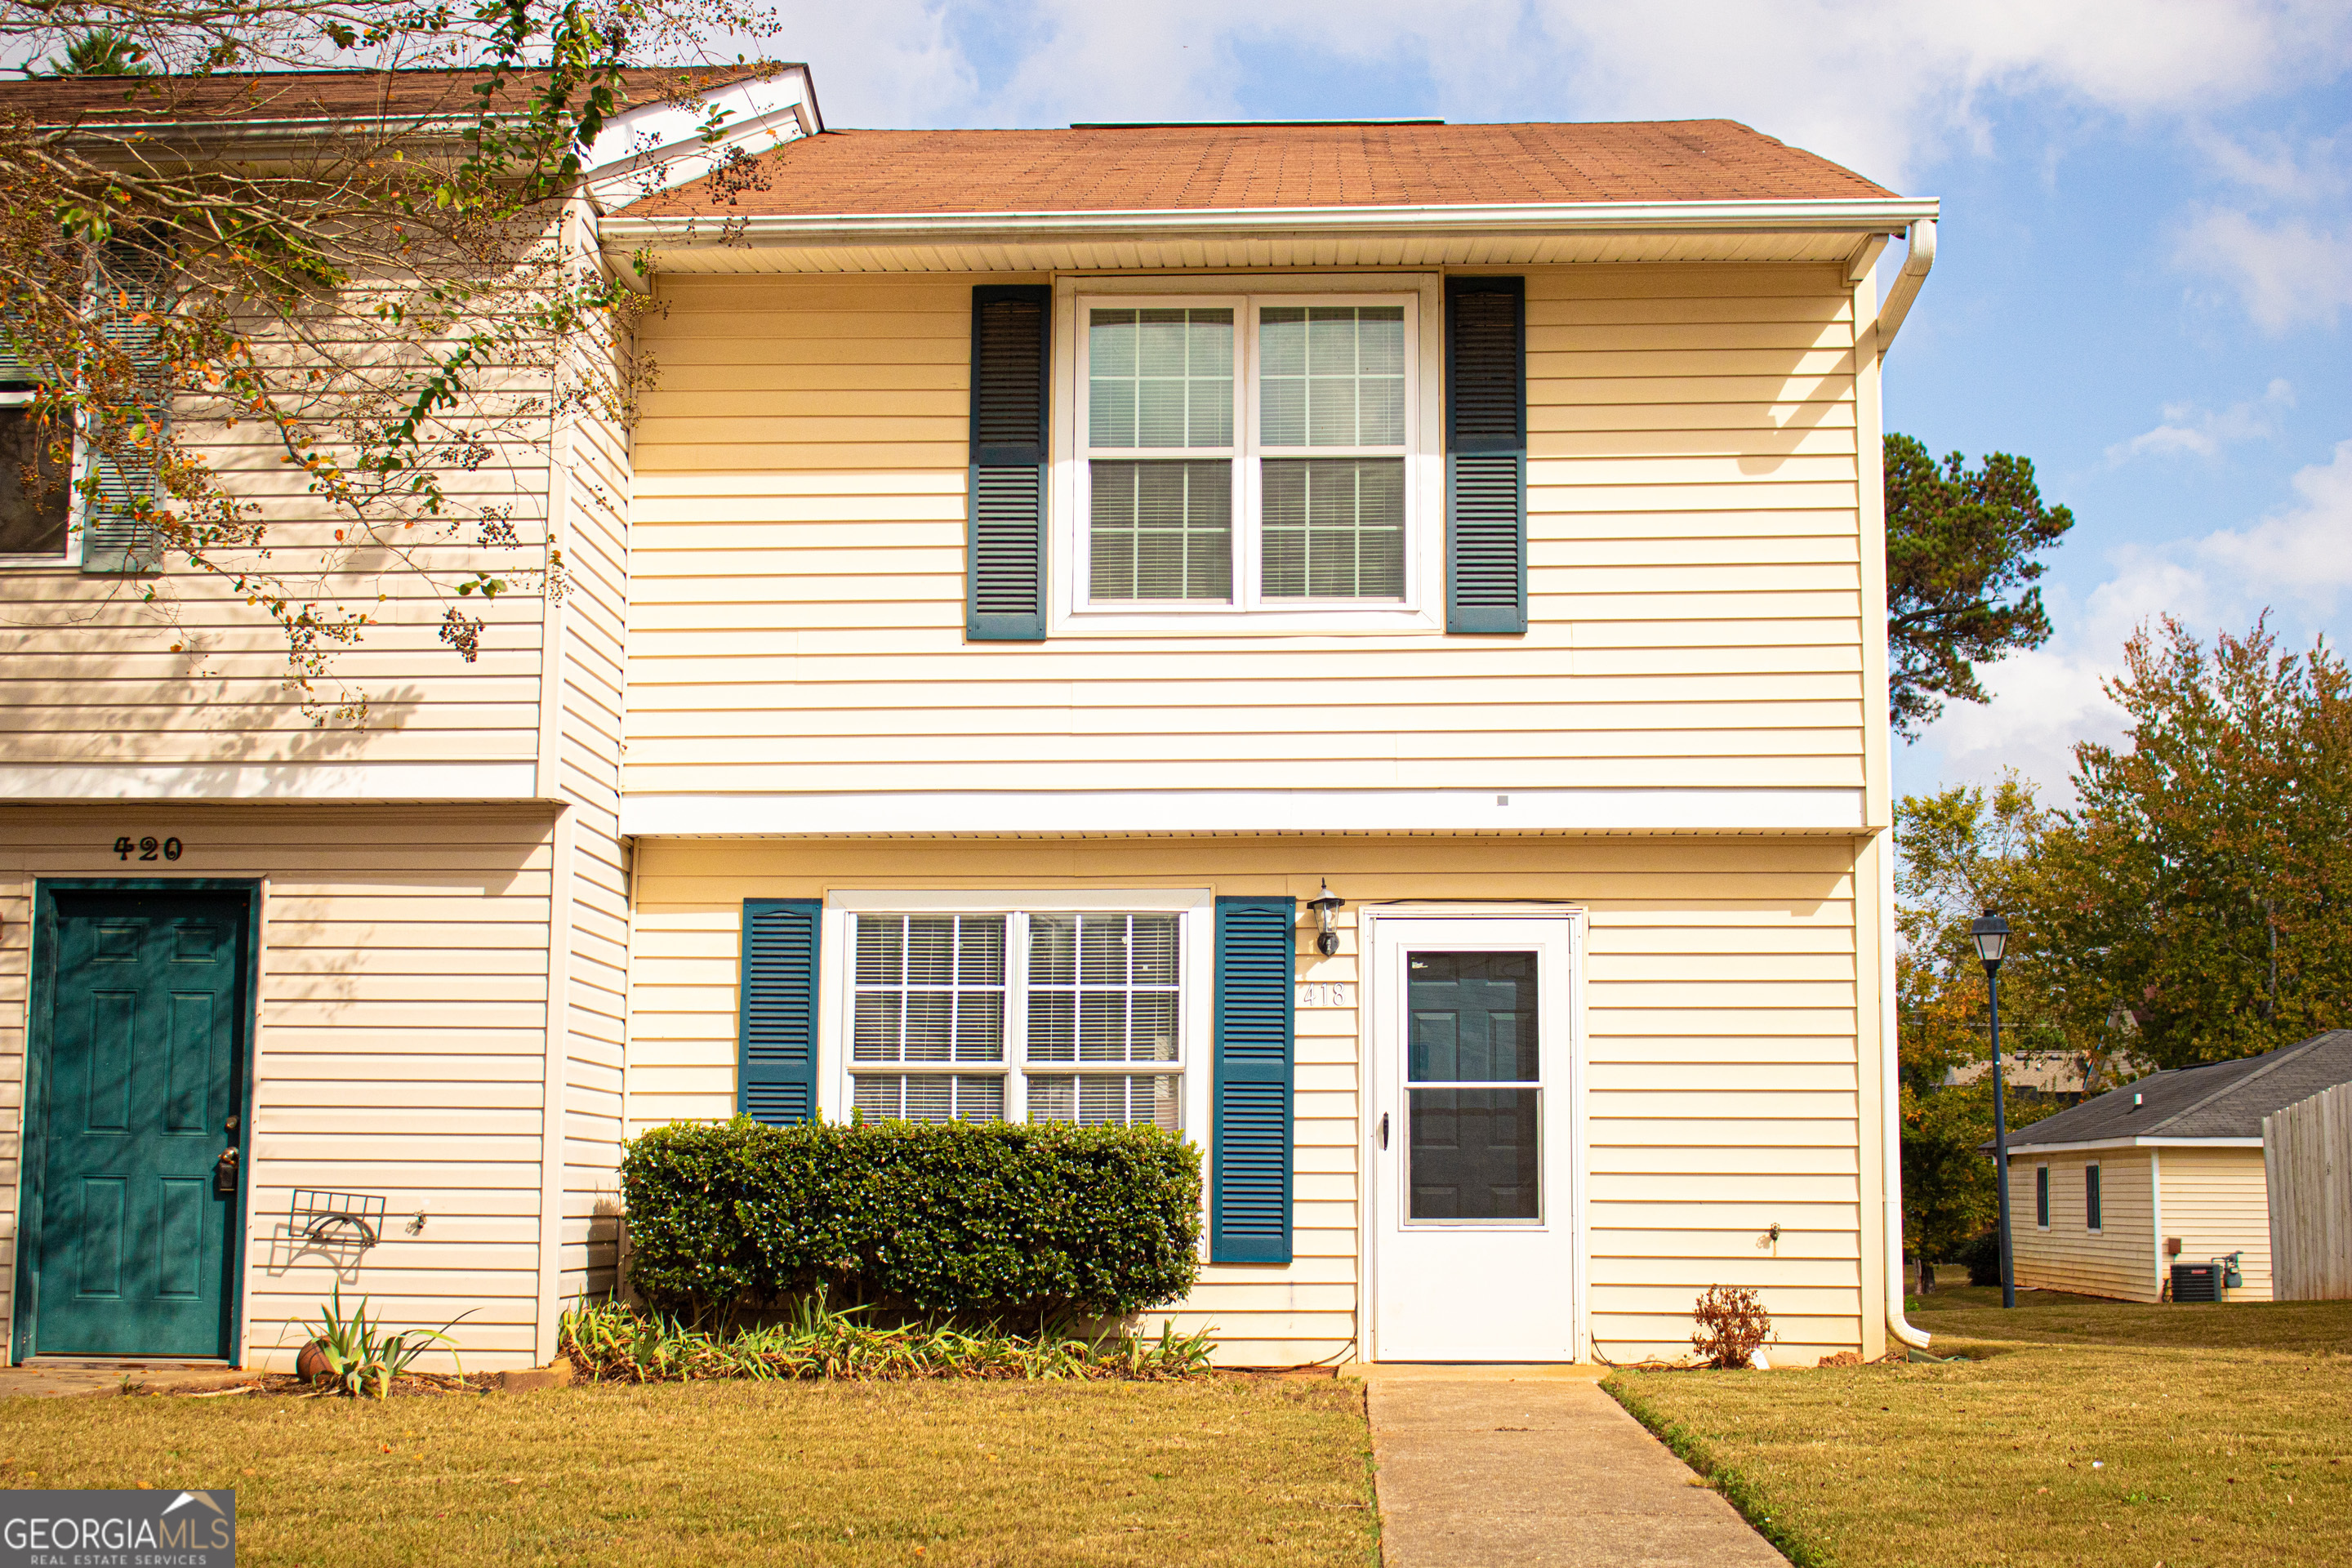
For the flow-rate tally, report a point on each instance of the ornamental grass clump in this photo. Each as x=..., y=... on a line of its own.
x=736, y=1222
x=609, y=1343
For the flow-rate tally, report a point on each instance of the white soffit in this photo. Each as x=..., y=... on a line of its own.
x=1463, y=236
x=340, y=784
x=1056, y=812
x=657, y=147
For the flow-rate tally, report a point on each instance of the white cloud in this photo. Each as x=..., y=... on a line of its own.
x=2303, y=552
x=1883, y=88
x=2286, y=272
x=2047, y=700
x=2315, y=169
x=2188, y=428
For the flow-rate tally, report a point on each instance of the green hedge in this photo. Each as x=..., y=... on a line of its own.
x=960, y=1219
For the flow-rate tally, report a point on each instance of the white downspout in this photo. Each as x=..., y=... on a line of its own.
x=1915, y=263
x=1891, y=1113
x=1898, y=305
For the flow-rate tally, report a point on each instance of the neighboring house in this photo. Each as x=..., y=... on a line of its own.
x=2055, y=1073
x=1050, y=563
x=2104, y=1196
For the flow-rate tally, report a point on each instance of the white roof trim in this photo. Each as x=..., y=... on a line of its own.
x=1883, y=214
x=1056, y=812
x=659, y=146
x=2017, y=1149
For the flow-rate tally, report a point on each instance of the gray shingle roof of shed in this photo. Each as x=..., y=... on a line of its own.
x=2219, y=1099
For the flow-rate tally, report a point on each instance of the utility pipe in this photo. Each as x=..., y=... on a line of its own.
x=1915, y=264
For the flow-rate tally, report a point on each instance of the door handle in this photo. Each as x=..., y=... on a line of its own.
x=225, y=1175
x=1384, y=1128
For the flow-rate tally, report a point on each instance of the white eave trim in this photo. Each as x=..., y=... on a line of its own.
x=1878, y=215
x=2017, y=1149
x=889, y=813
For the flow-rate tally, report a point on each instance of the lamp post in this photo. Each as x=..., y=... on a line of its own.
x=1992, y=934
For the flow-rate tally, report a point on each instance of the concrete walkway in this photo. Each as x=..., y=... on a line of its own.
x=1499, y=1467
x=70, y=1377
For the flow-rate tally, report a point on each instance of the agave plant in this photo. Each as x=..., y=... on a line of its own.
x=358, y=1357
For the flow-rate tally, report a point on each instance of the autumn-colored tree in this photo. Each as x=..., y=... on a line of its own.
x=1960, y=851
x=385, y=306
x=2203, y=883
x=1961, y=544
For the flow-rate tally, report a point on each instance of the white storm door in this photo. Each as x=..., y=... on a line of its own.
x=1474, y=1223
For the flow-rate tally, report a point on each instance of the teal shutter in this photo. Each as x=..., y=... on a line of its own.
x=1005, y=571
x=776, y=1064
x=115, y=537
x=1485, y=455
x=1250, y=1158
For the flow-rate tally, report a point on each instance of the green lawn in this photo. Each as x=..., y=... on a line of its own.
x=2090, y=1433
x=1227, y=1471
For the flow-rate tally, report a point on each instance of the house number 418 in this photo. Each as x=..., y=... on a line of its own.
x=147, y=848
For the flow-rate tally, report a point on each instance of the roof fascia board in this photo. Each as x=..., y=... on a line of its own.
x=755, y=124
x=1859, y=218
x=2138, y=1142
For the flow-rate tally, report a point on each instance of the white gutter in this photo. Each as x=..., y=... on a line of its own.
x=1915, y=264
x=698, y=230
x=2155, y=1143
x=1890, y=1073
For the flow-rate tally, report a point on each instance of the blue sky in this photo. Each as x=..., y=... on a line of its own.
x=2143, y=279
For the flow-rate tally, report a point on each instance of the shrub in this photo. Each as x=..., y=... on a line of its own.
x=1982, y=1254
x=971, y=1221
x=613, y=1344
x=1732, y=1326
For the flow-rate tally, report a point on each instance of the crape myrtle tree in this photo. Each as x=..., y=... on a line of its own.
x=1961, y=544
x=386, y=310
x=1958, y=852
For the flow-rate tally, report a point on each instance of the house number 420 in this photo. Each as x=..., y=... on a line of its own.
x=147, y=848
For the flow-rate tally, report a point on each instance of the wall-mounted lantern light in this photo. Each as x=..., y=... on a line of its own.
x=1326, y=905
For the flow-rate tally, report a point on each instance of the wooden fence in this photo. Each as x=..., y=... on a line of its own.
x=2307, y=1159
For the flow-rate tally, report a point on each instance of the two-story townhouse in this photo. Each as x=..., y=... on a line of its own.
x=1359, y=643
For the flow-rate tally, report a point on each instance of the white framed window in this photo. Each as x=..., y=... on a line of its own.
x=38, y=504
x=1270, y=456
x=1085, y=1007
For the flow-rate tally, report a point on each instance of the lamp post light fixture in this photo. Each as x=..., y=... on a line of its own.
x=1991, y=936
x=1325, y=904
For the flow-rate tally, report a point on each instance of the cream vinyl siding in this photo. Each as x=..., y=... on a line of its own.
x=2119, y=1258
x=2217, y=1201
x=89, y=677
x=797, y=612
x=582, y=765
x=1725, y=1090
x=402, y=1046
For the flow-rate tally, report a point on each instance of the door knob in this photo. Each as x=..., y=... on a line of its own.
x=225, y=1175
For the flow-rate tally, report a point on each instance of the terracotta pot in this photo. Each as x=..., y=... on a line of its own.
x=310, y=1366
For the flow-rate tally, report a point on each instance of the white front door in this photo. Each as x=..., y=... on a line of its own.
x=1472, y=1123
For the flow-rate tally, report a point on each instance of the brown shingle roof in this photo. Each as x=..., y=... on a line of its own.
x=1199, y=167
x=232, y=97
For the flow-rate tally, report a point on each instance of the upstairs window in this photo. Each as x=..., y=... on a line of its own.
x=36, y=489
x=1246, y=453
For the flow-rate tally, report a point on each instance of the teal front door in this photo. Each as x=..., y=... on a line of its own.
x=133, y=1236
